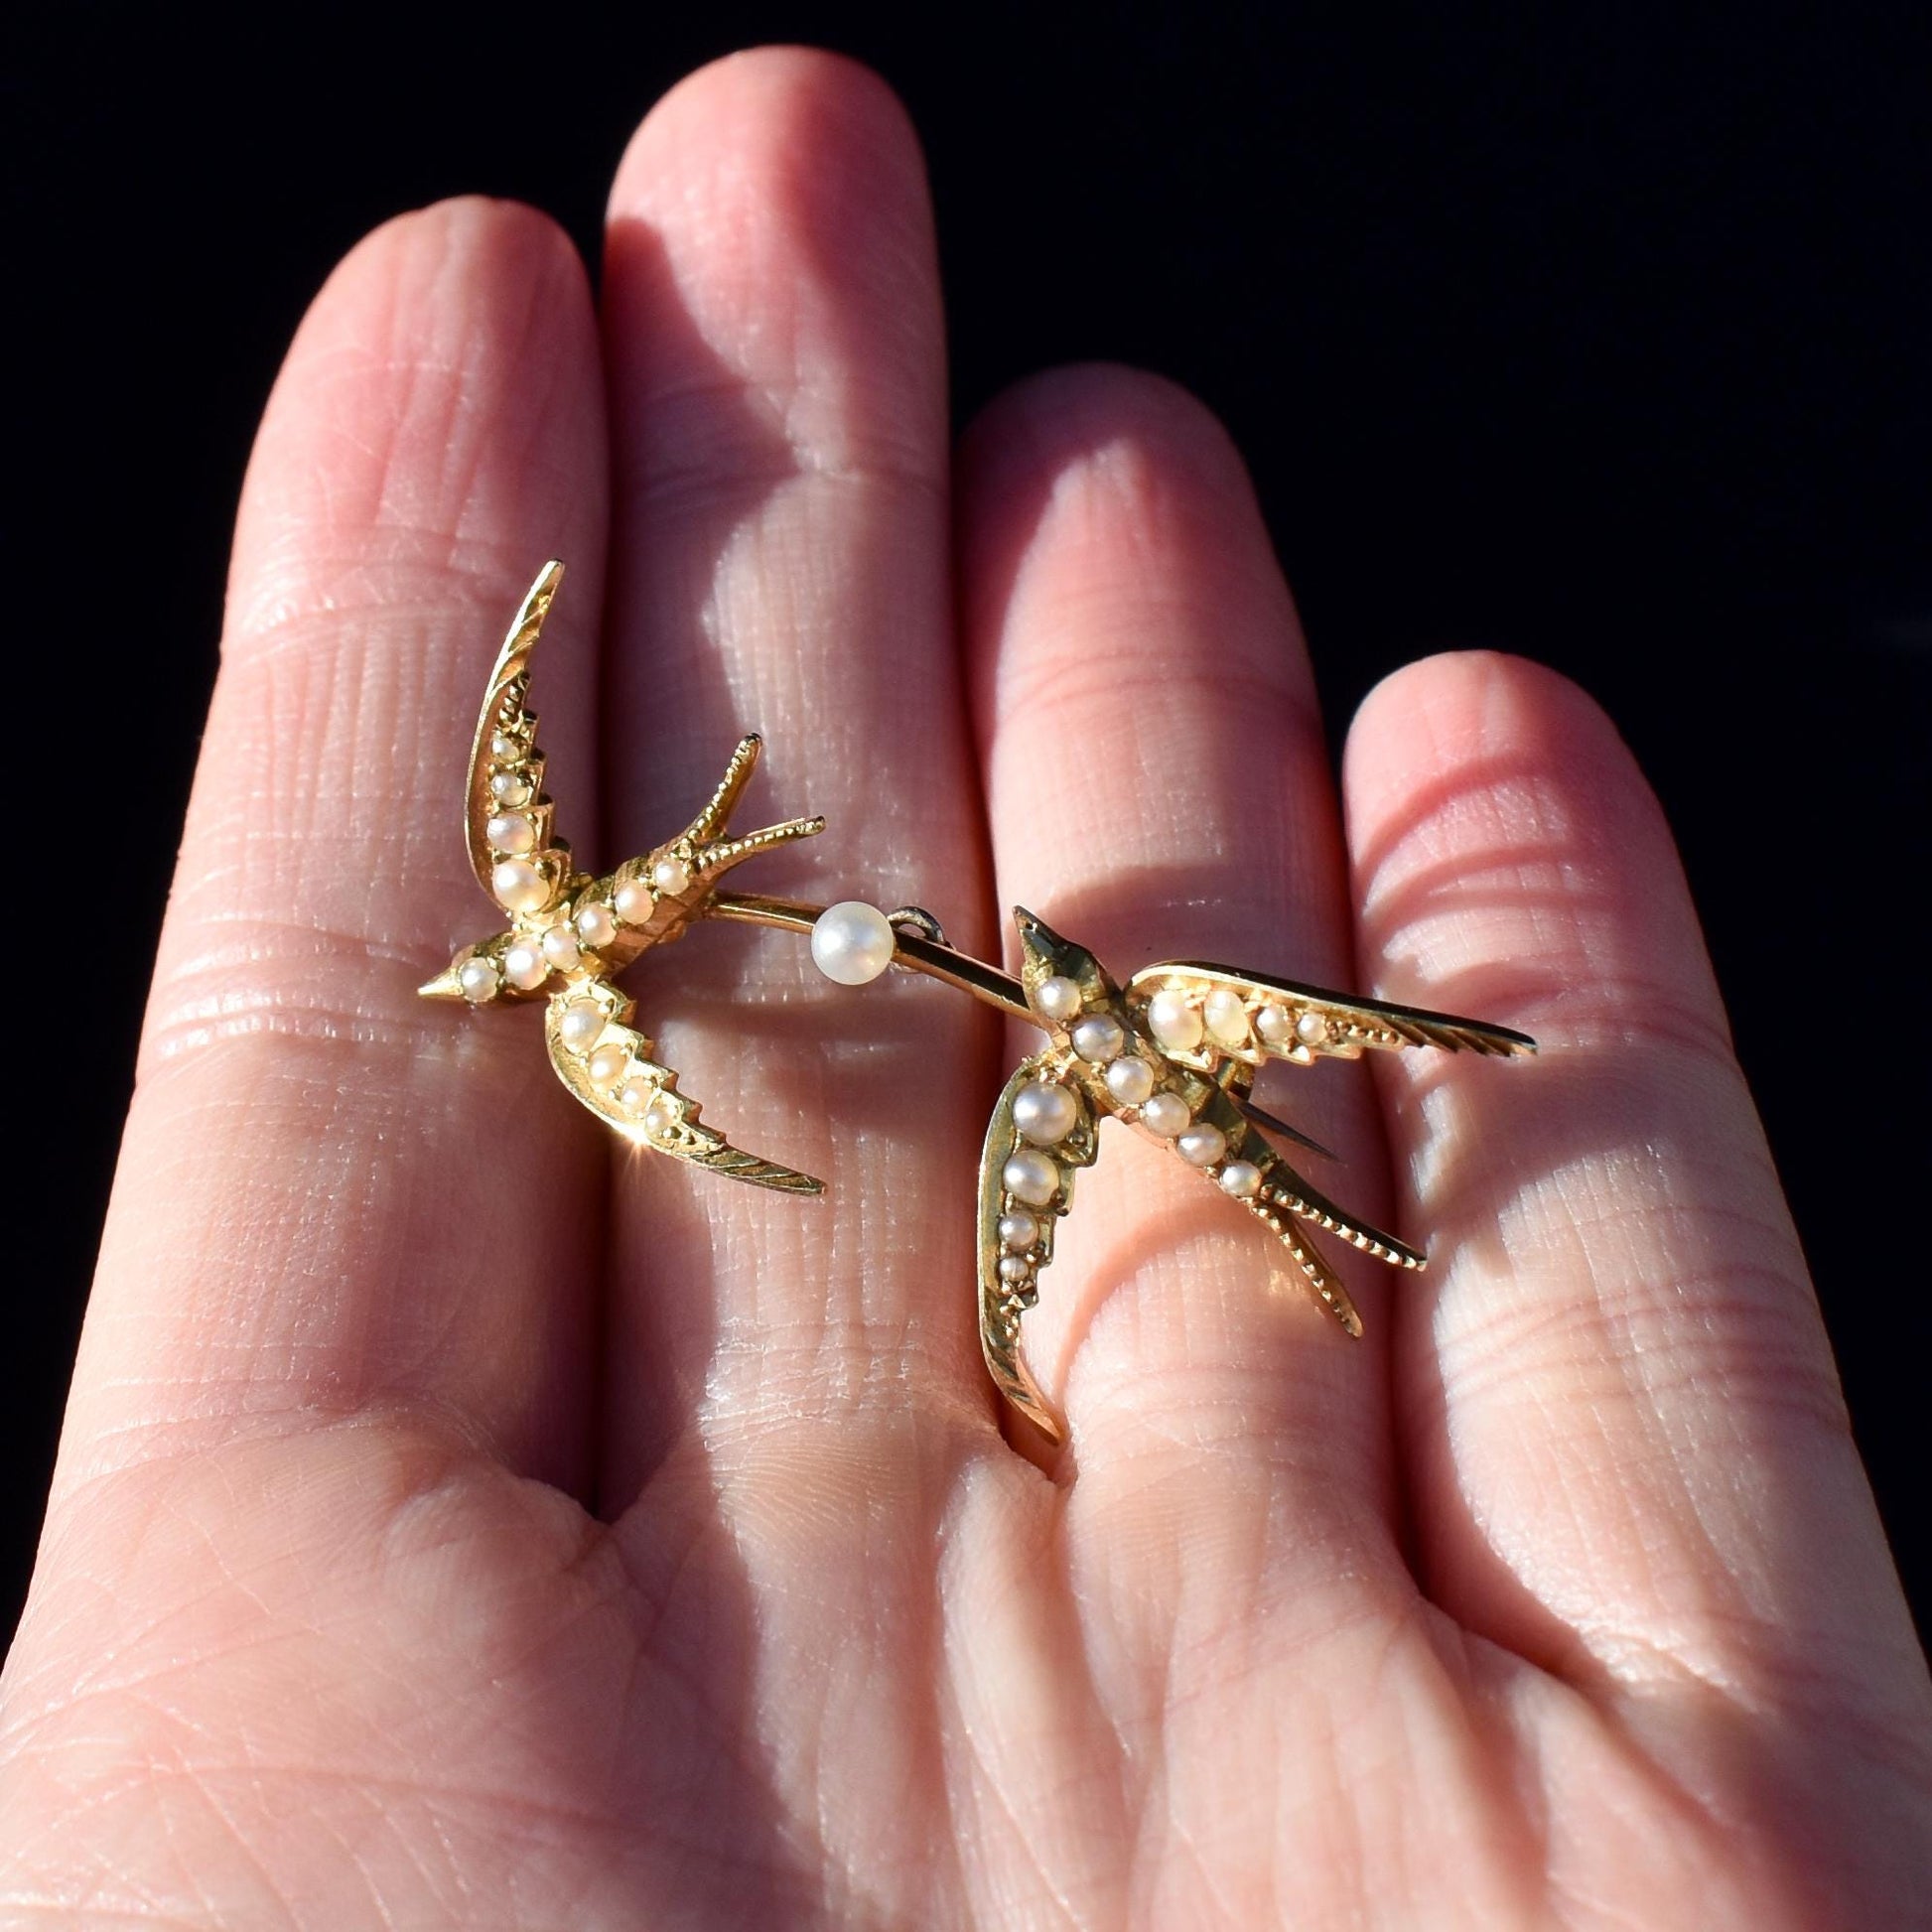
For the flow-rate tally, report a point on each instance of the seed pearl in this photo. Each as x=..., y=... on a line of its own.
x=1130, y=1080
x=853, y=943
x=1226, y=1017
x=636, y=1094
x=671, y=876
x=511, y=788
x=506, y=751
x=1045, y=1113
x=583, y=1020
x=519, y=885
x=510, y=832
x=634, y=902
x=1241, y=1179
x=1311, y=1029
x=1165, y=1114
x=608, y=1064
x=478, y=979
x=1098, y=1038
x=661, y=1116
x=1275, y=1027
x=1202, y=1144
x=524, y=965
x=1017, y=1229
x=1013, y=1269
x=560, y=947
x=1057, y=998
x=1175, y=1020
x=595, y=926
x=1031, y=1178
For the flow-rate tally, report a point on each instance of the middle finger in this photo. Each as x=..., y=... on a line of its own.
x=780, y=514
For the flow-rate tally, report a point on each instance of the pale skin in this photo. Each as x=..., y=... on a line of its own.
x=462, y=1520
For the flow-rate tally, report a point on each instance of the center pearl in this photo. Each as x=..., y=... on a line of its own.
x=853, y=943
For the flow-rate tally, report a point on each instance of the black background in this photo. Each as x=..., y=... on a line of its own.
x=1599, y=335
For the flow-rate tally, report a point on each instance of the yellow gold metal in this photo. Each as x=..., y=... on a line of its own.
x=571, y=933
x=1175, y=1054
x=1185, y=1066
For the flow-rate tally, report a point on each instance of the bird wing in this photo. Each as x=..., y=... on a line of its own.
x=644, y=1102
x=1284, y=1200
x=512, y=786
x=1286, y=1021
x=1002, y=1301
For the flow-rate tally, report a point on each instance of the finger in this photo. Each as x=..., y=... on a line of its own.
x=1625, y=1438
x=314, y=1206
x=1158, y=789
x=774, y=334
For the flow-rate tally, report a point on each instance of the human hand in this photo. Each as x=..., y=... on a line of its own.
x=459, y=1523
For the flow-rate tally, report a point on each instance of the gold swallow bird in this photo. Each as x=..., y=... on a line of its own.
x=571, y=933
x=1176, y=1055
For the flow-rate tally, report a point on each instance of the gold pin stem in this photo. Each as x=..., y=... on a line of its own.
x=913, y=954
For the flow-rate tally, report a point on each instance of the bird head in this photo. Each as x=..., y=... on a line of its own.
x=480, y=975
x=1054, y=969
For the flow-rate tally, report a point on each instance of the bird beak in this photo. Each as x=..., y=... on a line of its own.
x=444, y=986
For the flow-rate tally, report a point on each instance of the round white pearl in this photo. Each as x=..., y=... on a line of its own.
x=1241, y=1179
x=671, y=876
x=1130, y=1080
x=661, y=1116
x=560, y=947
x=504, y=750
x=1311, y=1029
x=1275, y=1027
x=1175, y=1020
x=518, y=886
x=1013, y=1269
x=634, y=902
x=583, y=1020
x=608, y=1064
x=510, y=832
x=1045, y=1113
x=478, y=979
x=636, y=1094
x=853, y=943
x=1202, y=1144
x=1097, y=1038
x=1057, y=998
x=1165, y=1114
x=524, y=965
x=1226, y=1017
x=1031, y=1178
x=511, y=788
x=1017, y=1229
x=595, y=926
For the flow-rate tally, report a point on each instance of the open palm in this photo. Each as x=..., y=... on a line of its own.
x=459, y=1523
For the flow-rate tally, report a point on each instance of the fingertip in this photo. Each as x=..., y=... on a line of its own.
x=451, y=352
x=797, y=113
x=1112, y=501
x=1436, y=733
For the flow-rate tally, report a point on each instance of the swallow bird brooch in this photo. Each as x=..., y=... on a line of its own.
x=571, y=933
x=1173, y=1054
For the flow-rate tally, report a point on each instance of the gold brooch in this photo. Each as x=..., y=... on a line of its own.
x=1173, y=1054
x=570, y=934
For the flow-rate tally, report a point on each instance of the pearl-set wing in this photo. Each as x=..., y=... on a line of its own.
x=507, y=818
x=1016, y=1222
x=1203, y=1014
x=607, y=1064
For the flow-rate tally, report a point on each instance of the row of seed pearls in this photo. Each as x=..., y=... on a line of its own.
x=1184, y=1022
